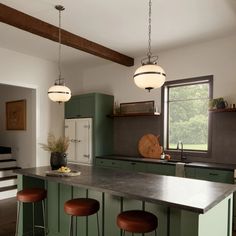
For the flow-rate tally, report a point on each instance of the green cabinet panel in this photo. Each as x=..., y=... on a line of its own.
x=80, y=106
x=134, y=166
x=92, y=219
x=72, y=108
x=161, y=169
x=124, y=165
x=112, y=207
x=223, y=176
x=190, y=172
x=108, y=163
x=86, y=106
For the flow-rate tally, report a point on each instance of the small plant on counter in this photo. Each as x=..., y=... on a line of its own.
x=54, y=144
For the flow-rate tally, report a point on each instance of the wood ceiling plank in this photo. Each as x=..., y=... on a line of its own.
x=36, y=26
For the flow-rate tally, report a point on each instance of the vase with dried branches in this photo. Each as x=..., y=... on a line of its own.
x=58, y=148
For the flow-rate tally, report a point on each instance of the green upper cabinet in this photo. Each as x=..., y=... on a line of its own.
x=80, y=106
x=96, y=106
x=72, y=108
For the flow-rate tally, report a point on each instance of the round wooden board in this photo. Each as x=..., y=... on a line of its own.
x=149, y=146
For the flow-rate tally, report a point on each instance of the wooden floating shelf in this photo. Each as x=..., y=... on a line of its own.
x=223, y=110
x=134, y=115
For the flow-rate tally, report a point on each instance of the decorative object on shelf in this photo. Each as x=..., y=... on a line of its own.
x=59, y=92
x=149, y=146
x=149, y=75
x=218, y=103
x=58, y=148
x=145, y=107
x=16, y=115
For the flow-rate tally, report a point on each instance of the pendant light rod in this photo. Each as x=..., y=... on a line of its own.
x=60, y=8
x=149, y=54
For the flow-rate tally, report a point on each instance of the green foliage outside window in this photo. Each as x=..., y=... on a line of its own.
x=188, y=116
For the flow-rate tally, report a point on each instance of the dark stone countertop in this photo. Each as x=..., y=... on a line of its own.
x=218, y=166
x=188, y=194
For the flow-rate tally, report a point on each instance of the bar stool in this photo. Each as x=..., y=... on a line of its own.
x=137, y=221
x=31, y=195
x=81, y=207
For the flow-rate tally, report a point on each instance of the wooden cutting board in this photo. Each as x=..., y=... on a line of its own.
x=149, y=146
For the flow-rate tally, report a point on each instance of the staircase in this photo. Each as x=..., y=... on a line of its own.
x=8, y=179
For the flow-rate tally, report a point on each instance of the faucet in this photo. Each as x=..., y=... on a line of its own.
x=180, y=147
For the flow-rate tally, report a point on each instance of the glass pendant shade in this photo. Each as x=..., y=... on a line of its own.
x=59, y=93
x=150, y=76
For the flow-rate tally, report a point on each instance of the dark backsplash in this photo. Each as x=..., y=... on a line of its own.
x=128, y=131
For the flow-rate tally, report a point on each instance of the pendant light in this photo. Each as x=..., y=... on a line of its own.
x=59, y=92
x=149, y=75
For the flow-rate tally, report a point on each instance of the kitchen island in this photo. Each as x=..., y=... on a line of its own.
x=183, y=206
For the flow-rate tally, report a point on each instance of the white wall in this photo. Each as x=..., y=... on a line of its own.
x=217, y=57
x=31, y=72
x=19, y=140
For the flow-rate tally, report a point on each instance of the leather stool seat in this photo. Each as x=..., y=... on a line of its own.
x=81, y=207
x=31, y=195
x=137, y=221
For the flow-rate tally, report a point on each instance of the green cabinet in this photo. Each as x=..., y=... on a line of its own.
x=96, y=106
x=190, y=172
x=80, y=106
x=161, y=169
x=124, y=165
x=108, y=163
x=134, y=166
x=209, y=174
x=223, y=176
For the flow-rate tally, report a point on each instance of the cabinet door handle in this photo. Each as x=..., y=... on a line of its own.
x=133, y=163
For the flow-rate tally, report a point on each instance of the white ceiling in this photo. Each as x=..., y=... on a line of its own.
x=122, y=25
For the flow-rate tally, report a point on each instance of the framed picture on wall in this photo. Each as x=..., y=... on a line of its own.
x=16, y=115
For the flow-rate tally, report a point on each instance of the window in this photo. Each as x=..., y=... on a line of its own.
x=185, y=106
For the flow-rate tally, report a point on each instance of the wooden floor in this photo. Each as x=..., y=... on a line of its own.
x=7, y=217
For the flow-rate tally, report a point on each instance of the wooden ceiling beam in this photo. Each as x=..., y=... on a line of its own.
x=33, y=25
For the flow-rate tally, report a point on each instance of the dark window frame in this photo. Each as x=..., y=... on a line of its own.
x=165, y=109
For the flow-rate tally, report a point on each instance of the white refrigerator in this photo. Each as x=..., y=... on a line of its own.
x=79, y=132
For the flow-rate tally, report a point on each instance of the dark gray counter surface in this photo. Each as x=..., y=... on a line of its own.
x=219, y=166
x=189, y=194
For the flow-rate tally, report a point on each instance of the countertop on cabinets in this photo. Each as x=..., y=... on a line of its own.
x=210, y=165
x=188, y=194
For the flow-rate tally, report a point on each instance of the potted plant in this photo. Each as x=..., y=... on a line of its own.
x=58, y=148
